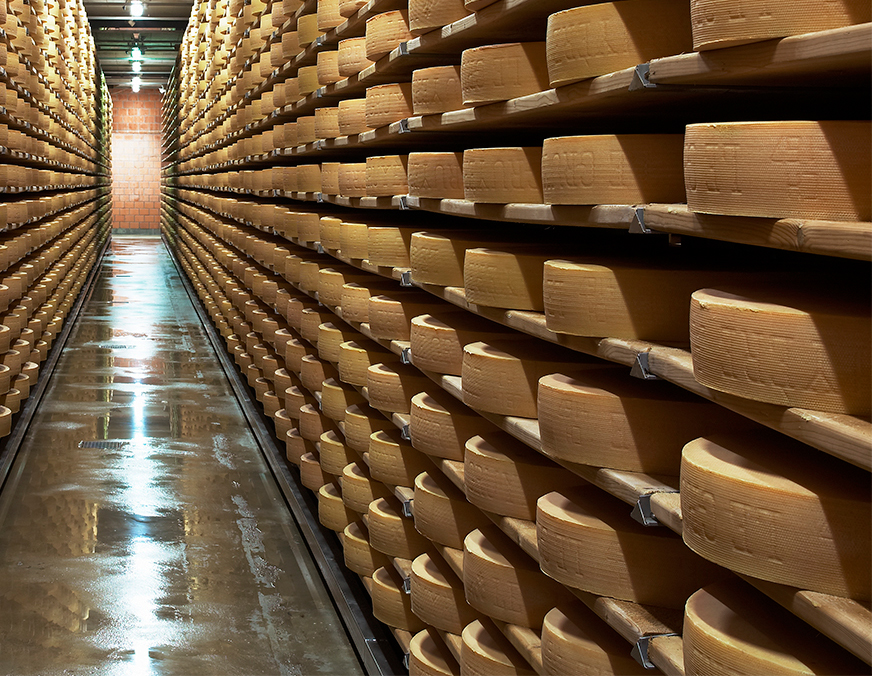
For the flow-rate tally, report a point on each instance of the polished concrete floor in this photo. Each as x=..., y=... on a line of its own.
x=141, y=531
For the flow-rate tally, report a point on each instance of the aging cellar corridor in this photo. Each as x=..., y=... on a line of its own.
x=141, y=531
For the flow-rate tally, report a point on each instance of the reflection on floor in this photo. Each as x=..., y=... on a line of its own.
x=141, y=531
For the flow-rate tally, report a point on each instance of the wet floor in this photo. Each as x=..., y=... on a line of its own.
x=141, y=531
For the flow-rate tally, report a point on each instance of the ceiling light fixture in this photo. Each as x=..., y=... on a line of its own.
x=136, y=53
x=136, y=8
x=137, y=66
x=137, y=84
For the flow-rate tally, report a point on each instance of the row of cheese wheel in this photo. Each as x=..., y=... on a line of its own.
x=738, y=169
x=481, y=550
x=509, y=368
x=602, y=294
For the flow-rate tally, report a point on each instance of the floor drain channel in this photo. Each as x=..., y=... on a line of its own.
x=111, y=445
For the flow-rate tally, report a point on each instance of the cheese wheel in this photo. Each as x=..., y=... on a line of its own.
x=629, y=297
x=296, y=447
x=386, y=175
x=437, y=341
x=503, y=175
x=390, y=316
x=502, y=376
x=436, y=175
x=352, y=179
x=328, y=15
x=356, y=296
x=326, y=123
x=717, y=25
x=502, y=582
x=307, y=29
x=359, y=555
x=502, y=72
x=330, y=338
x=442, y=513
x=385, y=32
x=352, y=117
x=328, y=68
x=309, y=177
x=388, y=246
x=427, y=15
x=392, y=386
x=352, y=56
x=330, y=177
x=307, y=81
x=436, y=257
x=388, y=103
x=437, y=595
x=769, y=507
x=506, y=477
x=290, y=46
x=749, y=169
x=645, y=565
x=739, y=342
x=576, y=641
x=312, y=424
x=429, y=656
x=486, y=652
x=440, y=425
x=390, y=603
x=353, y=239
x=348, y=8
x=606, y=419
x=359, y=489
x=329, y=233
x=613, y=168
x=593, y=40
x=391, y=533
x=311, y=475
x=313, y=372
x=730, y=628
x=295, y=398
x=360, y=422
x=506, y=277
x=436, y=90
x=332, y=512
x=332, y=280
x=335, y=455
x=394, y=461
x=355, y=357
x=336, y=397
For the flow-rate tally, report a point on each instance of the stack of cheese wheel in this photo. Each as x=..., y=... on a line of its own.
x=829, y=338
x=440, y=425
x=442, y=513
x=730, y=628
x=503, y=175
x=715, y=24
x=502, y=376
x=645, y=565
x=630, y=297
x=576, y=641
x=772, y=508
x=613, y=169
x=505, y=477
x=604, y=418
x=748, y=169
x=502, y=582
x=501, y=72
x=593, y=40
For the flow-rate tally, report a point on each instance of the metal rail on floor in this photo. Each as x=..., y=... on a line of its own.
x=10, y=446
x=376, y=648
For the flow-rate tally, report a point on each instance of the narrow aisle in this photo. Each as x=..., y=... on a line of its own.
x=141, y=531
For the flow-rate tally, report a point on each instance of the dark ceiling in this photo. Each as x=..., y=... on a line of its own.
x=158, y=33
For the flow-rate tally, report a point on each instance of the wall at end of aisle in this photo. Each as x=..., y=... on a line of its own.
x=136, y=141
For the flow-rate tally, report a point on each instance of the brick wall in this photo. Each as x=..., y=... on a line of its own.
x=136, y=139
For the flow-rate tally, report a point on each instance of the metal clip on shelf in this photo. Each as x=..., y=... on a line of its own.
x=641, y=369
x=640, y=650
